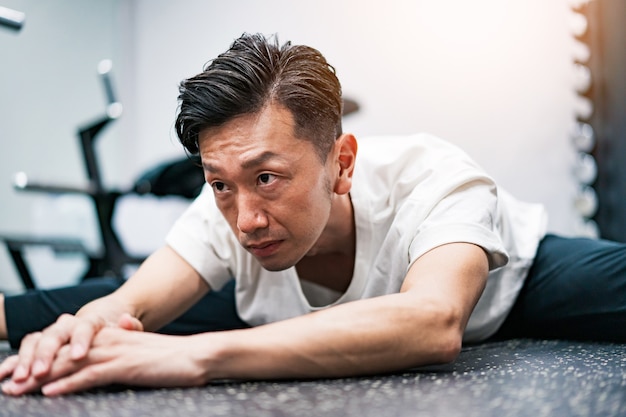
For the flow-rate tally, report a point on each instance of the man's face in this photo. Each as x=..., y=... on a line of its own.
x=270, y=186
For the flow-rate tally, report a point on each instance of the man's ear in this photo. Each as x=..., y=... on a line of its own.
x=345, y=157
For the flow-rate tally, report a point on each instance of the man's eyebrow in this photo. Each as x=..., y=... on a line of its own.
x=210, y=168
x=258, y=160
x=250, y=163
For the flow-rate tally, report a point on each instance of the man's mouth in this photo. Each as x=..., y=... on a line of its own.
x=263, y=249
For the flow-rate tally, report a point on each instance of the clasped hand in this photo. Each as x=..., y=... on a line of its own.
x=76, y=354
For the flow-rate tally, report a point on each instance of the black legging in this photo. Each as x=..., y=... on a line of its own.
x=576, y=289
x=37, y=309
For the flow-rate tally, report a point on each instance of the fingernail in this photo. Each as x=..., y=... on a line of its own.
x=39, y=367
x=7, y=387
x=11, y=388
x=78, y=351
x=50, y=389
x=20, y=372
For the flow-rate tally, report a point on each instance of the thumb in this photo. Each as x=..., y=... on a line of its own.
x=129, y=322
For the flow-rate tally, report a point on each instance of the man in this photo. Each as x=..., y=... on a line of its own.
x=342, y=267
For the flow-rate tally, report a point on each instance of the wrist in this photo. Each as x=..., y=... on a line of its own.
x=215, y=353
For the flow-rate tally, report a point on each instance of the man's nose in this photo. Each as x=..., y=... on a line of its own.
x=250, y=213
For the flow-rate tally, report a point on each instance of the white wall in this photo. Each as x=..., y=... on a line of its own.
x=493, y=76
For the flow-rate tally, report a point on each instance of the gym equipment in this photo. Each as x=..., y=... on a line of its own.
x=182, y=177
x=11, y=19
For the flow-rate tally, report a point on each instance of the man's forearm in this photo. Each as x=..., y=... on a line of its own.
x=423, y=324
x=163, y=287
x=358, y=338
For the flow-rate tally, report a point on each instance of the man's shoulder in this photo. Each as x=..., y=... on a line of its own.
x=398, y=153
x=398, y=146
x=390, y=168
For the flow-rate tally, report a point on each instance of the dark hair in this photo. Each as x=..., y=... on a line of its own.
x=254, y=72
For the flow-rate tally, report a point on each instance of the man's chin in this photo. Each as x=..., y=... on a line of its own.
x=276, y=265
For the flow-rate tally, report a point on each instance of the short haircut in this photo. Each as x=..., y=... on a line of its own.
x=254, y=72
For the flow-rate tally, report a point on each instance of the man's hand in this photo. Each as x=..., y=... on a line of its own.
x=70, y=334
x=423, y=324
x=38, y=349
x=163, y=288
x=118, y=356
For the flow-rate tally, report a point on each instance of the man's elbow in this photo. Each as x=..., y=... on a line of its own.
x=446, y=332
x=450, y=347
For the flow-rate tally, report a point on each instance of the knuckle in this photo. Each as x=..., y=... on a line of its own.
x=61, y=327
x=10, y=362
x=65, y=318
x=47, y=343
x=32, y=338
x=64, y=351
x=91, y=375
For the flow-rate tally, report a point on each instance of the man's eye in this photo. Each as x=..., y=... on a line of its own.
x=266, y=178
x=218, y=186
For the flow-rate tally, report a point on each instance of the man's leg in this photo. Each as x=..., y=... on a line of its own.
x=34, y=310
x=37, y=309
x=3, y=322
x=576, y=289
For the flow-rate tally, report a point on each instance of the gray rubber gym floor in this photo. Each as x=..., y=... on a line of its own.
x=512, y=378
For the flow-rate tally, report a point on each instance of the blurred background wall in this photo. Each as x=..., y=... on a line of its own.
x=495, y=77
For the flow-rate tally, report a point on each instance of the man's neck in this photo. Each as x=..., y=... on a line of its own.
x=331, y=264
x=332, y=271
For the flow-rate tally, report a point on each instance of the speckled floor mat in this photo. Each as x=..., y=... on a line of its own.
x=511, y=378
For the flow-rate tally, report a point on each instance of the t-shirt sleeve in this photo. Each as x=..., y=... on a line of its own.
x=467, y=214
x=453, y=200
x=198, y=237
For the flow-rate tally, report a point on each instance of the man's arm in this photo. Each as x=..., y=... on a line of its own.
x=423, y=324
x=163, y=288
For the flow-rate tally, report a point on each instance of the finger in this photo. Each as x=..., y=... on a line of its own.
x=51, y=340
x=91, y=376
x=97, y=369
x=25, y=357
x=14, y=388
x=81, y=338
x=101, y=367
x=62, y=366
x=8, y=366
x=128, y=322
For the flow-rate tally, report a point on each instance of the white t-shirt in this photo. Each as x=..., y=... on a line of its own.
x=410, y=194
